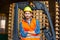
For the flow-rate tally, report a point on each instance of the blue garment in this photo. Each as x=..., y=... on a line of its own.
x=23, y=34
x=37, y=30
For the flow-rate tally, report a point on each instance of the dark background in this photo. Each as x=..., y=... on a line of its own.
x=4, y=8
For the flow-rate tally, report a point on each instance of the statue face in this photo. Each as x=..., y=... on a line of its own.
x=28, y=15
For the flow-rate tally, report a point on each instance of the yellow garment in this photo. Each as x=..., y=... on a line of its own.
x=27, y=9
